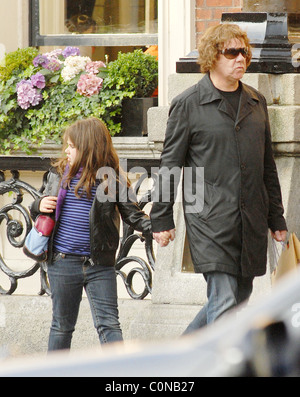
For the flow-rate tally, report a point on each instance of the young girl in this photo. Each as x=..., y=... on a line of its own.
x=83, y=245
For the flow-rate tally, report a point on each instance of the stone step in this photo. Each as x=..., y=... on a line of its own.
x=25, y=323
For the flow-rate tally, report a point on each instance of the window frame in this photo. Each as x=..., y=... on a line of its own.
x=97, y=40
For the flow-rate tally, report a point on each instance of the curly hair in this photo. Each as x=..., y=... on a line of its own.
x=214, y=40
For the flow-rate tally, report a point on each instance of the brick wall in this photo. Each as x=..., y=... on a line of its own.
x=209, y=12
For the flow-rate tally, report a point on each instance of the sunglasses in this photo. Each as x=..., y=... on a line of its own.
x=232, y=53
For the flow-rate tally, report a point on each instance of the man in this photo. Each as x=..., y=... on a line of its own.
x=222, y=125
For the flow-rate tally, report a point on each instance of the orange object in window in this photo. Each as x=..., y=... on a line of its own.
x=153, y=50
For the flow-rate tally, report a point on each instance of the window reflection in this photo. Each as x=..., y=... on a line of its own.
x=98, y=16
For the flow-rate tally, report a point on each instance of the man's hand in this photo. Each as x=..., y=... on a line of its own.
x=279, y=235
x=163, y=238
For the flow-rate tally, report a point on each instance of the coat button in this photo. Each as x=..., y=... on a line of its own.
x=237, y=128
x=243, y=166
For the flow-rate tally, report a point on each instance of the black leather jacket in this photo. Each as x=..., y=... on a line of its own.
x=104, y=222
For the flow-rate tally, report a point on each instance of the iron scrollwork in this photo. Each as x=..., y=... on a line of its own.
x=17, y=230
x=129, y=237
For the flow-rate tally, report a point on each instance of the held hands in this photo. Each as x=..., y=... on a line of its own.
x=163, y=238
x=48, y=204
x=279, y=235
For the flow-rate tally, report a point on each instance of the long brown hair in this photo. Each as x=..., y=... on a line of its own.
x=95, y=150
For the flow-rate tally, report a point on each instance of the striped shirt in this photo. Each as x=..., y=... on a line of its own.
x=73, y=233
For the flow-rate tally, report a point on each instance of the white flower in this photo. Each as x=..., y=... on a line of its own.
x=73, y=66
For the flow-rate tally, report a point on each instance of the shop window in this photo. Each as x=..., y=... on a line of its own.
x=103, y=26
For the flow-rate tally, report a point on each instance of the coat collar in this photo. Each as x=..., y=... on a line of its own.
x=209, y=93
x=249, y=99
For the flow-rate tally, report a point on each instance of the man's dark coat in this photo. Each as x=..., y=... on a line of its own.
x=242, y=196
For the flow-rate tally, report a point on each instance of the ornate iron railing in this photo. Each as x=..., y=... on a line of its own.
x=17, y=230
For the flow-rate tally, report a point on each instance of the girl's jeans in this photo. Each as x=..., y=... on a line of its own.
x=68, y=275
x=224, y=292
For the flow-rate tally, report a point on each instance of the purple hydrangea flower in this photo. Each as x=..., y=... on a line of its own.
x=70, y=51
x=38, y=80
x=21, y=82
x=55, y=53
x=36, y=98
x=40, y=60
x=27, y=94
x=54, y=65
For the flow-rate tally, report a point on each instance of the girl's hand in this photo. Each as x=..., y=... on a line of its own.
x=279, y=235
x=48, y=204
x=163, y=238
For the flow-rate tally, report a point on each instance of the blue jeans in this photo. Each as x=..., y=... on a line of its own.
x=68, y=275
x=224, y=292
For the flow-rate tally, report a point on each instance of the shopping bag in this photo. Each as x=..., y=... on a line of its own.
x=289, y=259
